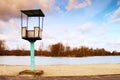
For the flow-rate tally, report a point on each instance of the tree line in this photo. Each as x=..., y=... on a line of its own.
x=58, y=50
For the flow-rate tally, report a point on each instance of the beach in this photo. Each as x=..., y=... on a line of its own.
x=64, y=70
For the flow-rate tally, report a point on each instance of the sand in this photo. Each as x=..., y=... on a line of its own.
x=64, y=70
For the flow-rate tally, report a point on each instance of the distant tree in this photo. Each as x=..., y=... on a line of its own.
x=67, y=51
x=83, y=51
x=2, y=45
x=115, y=53
x=57, y=49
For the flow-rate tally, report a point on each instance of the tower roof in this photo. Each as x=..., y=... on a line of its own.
x=33, y=13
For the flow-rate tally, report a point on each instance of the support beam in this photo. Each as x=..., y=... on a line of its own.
x=32, y=67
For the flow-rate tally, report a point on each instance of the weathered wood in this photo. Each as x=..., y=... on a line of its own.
x=29, y=72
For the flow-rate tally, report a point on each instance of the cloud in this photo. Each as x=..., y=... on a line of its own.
x=118, y=3
x=47, y=35
x=11, y=8
x=46, y=5
x=10, y=30
x=115, y=17
x=74, y=4
x=2, y=25
x=113, y=46
x=86, y=27
x=13, y=25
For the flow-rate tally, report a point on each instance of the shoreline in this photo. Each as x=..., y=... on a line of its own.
x=64, y=70
x=93, y=77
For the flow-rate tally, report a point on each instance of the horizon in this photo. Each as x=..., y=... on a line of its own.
x=90, y=23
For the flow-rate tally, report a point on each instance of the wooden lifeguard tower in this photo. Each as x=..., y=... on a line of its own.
x=35, y=33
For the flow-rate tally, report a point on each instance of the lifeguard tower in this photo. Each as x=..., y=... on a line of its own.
x=32, y=34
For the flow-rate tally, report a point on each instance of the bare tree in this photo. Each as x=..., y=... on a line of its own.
x=2, y=45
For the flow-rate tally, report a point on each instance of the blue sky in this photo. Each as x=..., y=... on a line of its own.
x=91, y=23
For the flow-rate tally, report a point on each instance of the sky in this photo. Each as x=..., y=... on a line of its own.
x=91, y=23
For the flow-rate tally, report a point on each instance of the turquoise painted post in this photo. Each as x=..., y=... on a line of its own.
x=32, y=67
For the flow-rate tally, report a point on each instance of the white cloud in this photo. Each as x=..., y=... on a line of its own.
x=115, y=20
x=46, y=5
x=115, y=17
x=116, y=13
x=74, y=4
x=14, y=25
x=85, y=27
x=9, y=37
x=11, y=8
x=2, y=24
x=11, y=34
x=47, y=35
x=11, y=30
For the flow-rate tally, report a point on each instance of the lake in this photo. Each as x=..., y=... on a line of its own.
x=25, y=60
